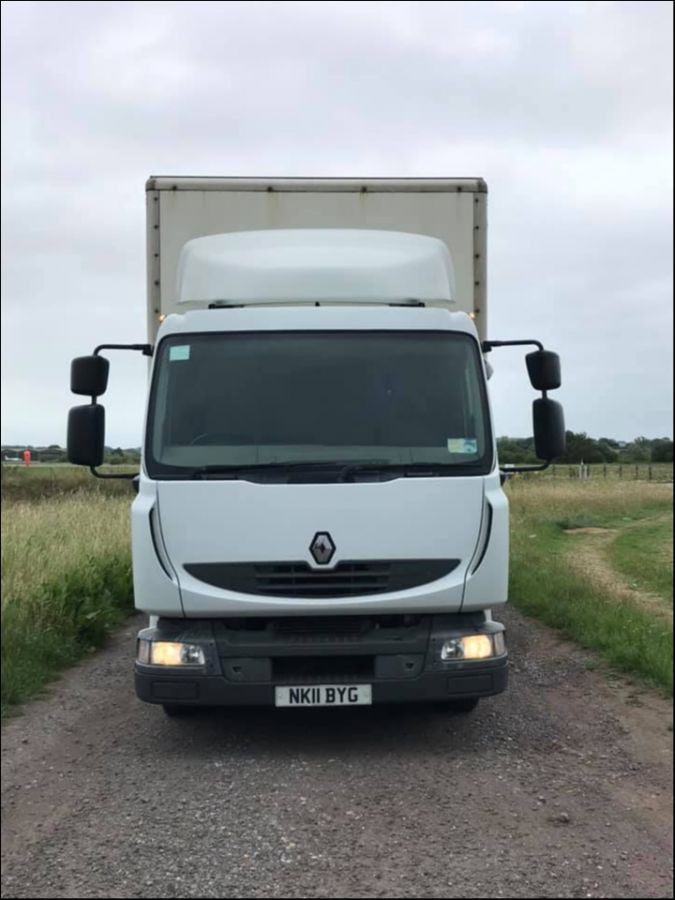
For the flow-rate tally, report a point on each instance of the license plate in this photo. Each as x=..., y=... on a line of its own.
x=324, y=695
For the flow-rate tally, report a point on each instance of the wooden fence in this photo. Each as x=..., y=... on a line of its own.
x=618, y=471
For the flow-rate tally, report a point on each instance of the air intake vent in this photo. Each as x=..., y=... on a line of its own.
x=297, y=579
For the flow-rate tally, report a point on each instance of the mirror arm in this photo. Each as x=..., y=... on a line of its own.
x=146, y=350
x=505, y=471
x=128, y=475
x=514, y=470
x=486, y=346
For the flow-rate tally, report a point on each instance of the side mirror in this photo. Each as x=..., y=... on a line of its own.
x=549, y=428
x=89, y=375
x=86, y=434
x=543, y=367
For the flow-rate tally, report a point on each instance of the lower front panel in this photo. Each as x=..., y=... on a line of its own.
x=209, y=691
x=343, y=661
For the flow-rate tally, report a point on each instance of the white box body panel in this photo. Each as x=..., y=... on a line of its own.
x=180, y=209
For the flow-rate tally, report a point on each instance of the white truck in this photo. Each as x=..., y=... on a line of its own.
x=319, y=516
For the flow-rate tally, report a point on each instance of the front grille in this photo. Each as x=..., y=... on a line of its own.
x=298, y=579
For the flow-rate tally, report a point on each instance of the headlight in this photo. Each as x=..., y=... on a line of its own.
x=477, y=646
x=473, y=646
x=170, y=653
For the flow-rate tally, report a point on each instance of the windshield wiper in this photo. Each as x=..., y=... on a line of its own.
x=405, y=470
x=408, y=470
x=295, y=466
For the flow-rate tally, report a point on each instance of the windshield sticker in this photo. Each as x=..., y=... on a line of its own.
x=462, y=445
x=182, y=351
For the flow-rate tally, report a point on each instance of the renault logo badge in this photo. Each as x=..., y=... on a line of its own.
x=322, y=548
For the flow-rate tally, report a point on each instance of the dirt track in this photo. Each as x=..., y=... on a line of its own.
x=560, y=788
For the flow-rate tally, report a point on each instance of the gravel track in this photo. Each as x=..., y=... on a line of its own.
x=562, y=787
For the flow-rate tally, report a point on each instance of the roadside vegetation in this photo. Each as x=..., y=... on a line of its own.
x=38, y=482
x=66, y=572
x=594, y=560
x=591, y=558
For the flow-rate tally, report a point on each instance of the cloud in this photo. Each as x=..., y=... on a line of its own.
x=565, y=108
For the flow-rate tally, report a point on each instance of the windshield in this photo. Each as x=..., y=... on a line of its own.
x=271, y=398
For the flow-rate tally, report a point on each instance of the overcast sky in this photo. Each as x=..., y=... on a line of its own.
x=564, y=108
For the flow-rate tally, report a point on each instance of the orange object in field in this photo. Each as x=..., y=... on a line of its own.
x=26, y=457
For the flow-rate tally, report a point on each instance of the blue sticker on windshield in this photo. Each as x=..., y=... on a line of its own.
x=463, y=445
x=181, y=351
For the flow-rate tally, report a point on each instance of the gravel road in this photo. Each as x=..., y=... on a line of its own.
x=562, y=787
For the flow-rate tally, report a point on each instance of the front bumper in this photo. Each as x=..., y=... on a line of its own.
x=243, y=667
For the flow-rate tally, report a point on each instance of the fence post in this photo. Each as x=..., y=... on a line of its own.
x=650, y=471
x=604, y=470
x=621, y=470
x=637, y=471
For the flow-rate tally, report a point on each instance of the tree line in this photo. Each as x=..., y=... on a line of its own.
x=582, y=448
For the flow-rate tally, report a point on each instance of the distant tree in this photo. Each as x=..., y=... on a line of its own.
x=582, y=448
x=118, y=456
x=515, y=450
x=610, y=453
x=662, y=450
x=52, y=454
x=637, y=451
x=114, y=456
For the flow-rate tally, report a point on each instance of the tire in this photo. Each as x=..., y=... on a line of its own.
x=461, y=706
x=175, y=711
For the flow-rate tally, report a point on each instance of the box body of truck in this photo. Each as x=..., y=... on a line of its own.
x=454, y=210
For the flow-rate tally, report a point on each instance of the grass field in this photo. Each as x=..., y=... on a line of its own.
x=591, y=558
x=594, y=559
x=644, y=556
x=66, y=572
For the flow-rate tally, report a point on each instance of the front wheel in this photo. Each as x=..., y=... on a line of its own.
x=175, y=711
x=461, y=705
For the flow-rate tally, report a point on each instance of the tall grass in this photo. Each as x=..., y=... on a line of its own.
x=546, y=499
x=544, y=582
x=66, y=580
